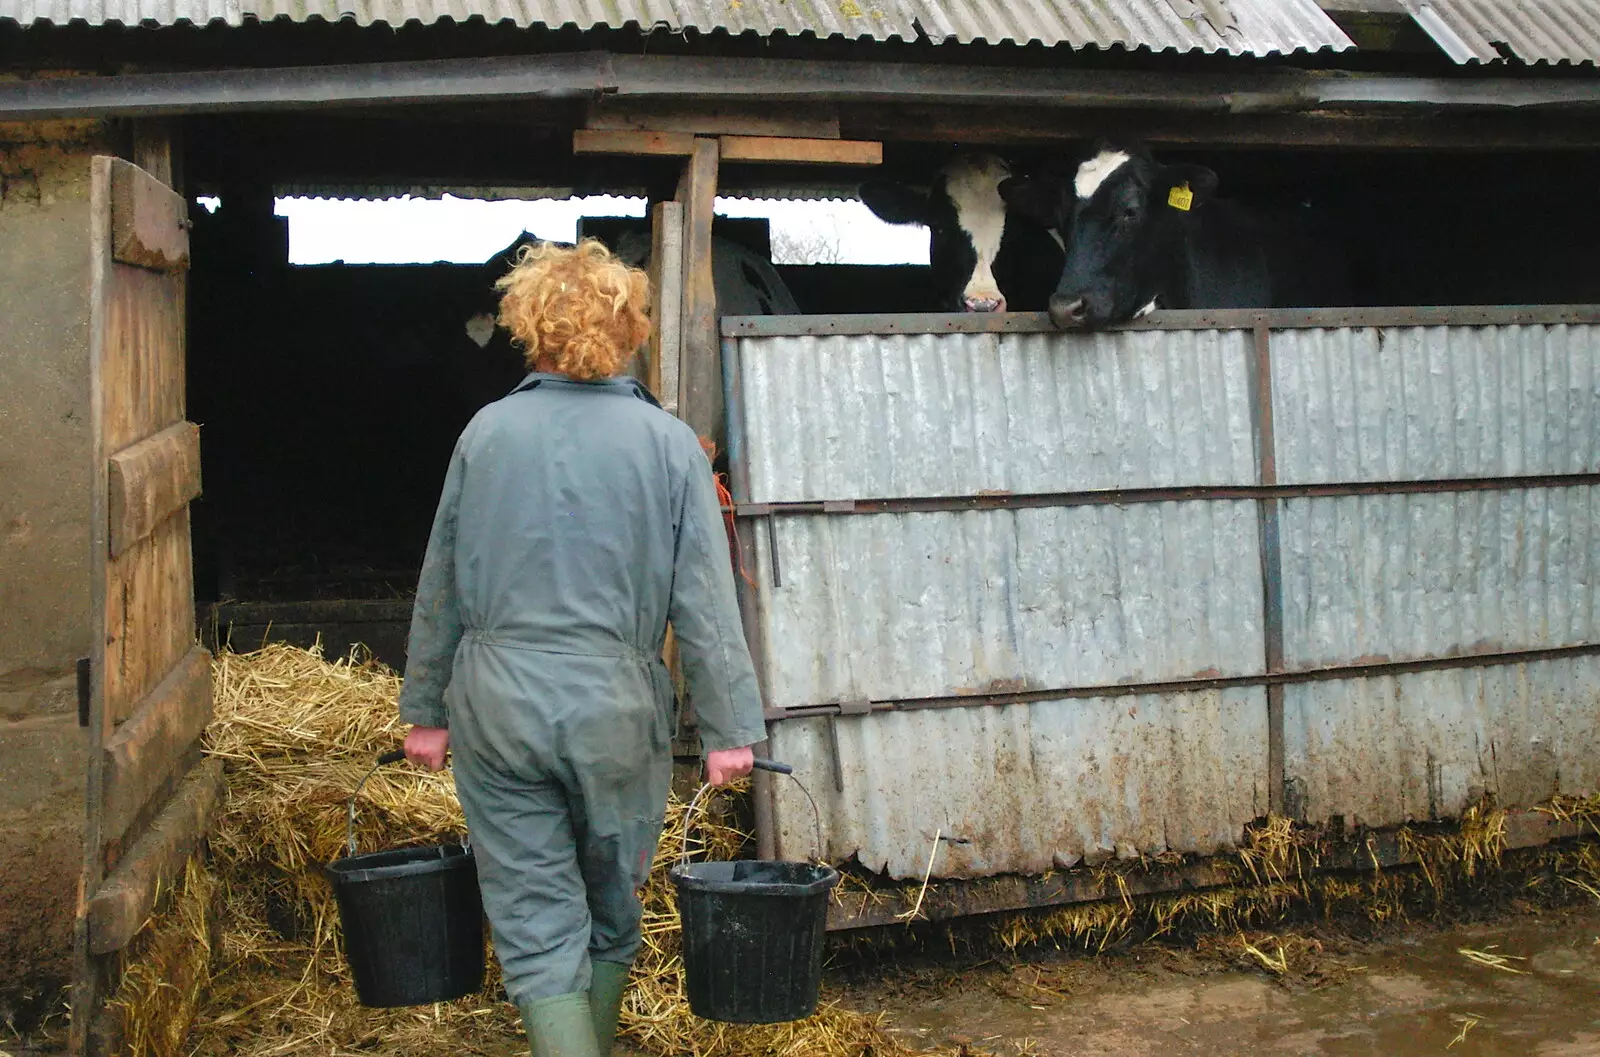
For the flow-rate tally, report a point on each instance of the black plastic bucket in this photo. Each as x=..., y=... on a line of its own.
x=753, y=938
x=753, y=930
x=413, y=924
x=412, y=920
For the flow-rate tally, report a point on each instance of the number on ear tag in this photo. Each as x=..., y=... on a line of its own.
x=1180, y=198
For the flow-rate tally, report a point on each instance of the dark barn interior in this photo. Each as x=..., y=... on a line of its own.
x=330, y=396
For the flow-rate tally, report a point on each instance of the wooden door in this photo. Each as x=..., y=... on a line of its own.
x=149, y=795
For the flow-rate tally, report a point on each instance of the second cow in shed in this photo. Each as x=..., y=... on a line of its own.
x=1140, y=235
x=983, y=257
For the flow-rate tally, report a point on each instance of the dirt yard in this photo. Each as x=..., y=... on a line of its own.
x=1531, y=990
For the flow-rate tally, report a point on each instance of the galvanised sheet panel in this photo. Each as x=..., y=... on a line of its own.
x=1389, y=750
x=1240, y=27
x=1026, y=788
x=1433, y=403
x=879, y=416
x=1236, y=26
x=876, y=20
x=1535, y=31
x=1404, y=577
x=894, y=606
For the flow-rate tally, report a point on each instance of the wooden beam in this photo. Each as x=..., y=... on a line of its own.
x=152, y=148
x=758, y=149
x=803, y=151
x=149, y=221
x=654, y=144
x=701, y=364
x=759, y=82
x=119, y=907
x=150, y=481
x=712, y=119
x=144, y=750
x=666, y=282
x=956, y=897
x=1319, y=130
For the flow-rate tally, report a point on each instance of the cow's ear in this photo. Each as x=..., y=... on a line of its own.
x=896, y=203
x=1201, y=181
x=1042, y=199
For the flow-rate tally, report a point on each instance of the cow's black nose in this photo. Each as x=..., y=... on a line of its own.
x=1064, y=313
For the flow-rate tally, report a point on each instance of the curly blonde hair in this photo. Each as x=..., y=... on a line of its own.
x=578, y=310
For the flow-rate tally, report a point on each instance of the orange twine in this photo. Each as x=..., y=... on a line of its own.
x=725, y=500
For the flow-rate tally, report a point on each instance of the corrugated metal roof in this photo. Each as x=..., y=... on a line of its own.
x=1235, y=26
x=1395, y=749
x=1240, y=27
x=1534, y=31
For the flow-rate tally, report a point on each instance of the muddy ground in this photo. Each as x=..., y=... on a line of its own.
x=1407, y=991
x=1531, y=990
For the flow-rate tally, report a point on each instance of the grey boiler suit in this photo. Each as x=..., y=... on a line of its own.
x=576, y=520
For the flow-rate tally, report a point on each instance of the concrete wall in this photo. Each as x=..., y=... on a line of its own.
x=45, y=469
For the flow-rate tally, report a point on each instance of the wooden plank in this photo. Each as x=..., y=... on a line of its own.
x=144, y=750
x=700, y=381
x=119, y=908
x=802, y=151
x=87, y=996
x=141, y=362
x=666, y=337
x=150, y=481
x=149, y=616
x=656, y=144
x=712, y=119
x=149, y=221
x=152, y=148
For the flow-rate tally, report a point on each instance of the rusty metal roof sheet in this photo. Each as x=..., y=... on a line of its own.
x=1532, y=31
x=1233, y=26
x=1239, y=27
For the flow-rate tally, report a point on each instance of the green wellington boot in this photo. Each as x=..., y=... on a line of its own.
x=608, y=981
x=561, y=1026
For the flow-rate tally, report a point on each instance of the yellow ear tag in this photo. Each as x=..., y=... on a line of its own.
x=1180, y=198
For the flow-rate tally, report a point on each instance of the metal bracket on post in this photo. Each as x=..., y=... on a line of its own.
x=855, y=707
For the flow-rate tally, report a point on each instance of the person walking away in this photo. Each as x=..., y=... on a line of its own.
x=577, y=519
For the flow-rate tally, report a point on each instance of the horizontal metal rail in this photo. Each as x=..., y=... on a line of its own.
x=854, y=908
x=1012, y=695
x=591, y=74
x=1171, y=494
x=1165, y=319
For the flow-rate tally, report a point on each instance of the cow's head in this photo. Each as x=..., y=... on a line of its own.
x=965, y=217
x=1119, y=216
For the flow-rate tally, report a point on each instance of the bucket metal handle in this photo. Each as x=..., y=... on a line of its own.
x=761, y=765
x=392, y=756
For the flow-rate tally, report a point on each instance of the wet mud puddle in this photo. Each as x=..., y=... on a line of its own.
x=1529, y=987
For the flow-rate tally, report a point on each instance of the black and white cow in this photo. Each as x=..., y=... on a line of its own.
x=982, y=256
x=1141, y=235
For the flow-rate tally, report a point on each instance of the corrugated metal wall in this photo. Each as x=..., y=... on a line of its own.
x=1423, y=494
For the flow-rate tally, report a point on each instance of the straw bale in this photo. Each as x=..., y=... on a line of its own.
x=167, y=968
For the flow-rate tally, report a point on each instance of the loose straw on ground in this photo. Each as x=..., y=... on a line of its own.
x=297, y=732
